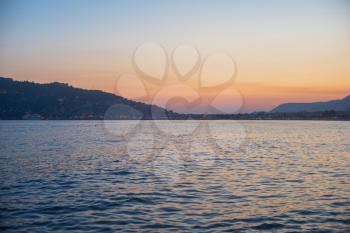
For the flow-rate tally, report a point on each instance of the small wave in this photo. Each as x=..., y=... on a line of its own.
x=268, y=226
x=140, y=200
x=341, y=203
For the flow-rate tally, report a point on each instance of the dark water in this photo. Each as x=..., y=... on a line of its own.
x=274, y=176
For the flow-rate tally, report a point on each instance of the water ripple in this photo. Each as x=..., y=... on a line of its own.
x=74, y=176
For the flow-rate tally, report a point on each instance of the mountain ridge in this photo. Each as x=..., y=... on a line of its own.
x=335, y=105
x=61, y=101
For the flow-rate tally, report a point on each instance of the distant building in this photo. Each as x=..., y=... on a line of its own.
x=29, y=116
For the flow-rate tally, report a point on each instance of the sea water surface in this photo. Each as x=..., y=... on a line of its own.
x=188, y=176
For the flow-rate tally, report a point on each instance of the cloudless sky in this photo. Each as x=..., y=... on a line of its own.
x=285, y=51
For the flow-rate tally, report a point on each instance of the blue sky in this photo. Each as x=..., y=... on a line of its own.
x=294, y=44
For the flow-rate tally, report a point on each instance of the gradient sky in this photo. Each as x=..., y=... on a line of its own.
x=286, y=51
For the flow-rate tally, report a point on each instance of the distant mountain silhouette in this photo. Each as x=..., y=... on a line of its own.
x=28, y=100
x=336, y=105
x=58, y=101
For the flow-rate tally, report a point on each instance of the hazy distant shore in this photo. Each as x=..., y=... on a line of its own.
x=59, y=101
x=263, y=116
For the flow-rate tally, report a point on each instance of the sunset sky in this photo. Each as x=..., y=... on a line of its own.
x=285, y=51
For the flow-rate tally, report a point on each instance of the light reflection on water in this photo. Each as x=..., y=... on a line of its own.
x=78, y=175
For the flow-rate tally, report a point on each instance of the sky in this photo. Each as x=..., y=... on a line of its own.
x=283, y=51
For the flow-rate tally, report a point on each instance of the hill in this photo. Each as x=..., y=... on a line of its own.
x=23, y=99
x=342, y=105
x=58, y=101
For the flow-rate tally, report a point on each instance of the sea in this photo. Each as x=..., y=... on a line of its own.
x=179, y=176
